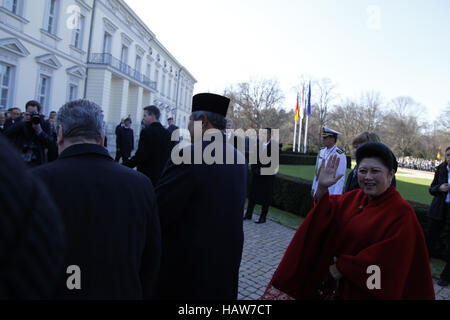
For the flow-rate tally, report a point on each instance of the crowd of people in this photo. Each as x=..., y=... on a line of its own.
x=79, y=225
x=418, y=164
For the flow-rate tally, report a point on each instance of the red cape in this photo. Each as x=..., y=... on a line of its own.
x=384, y=232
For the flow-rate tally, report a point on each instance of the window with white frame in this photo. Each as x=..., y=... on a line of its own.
x=169, y=87
x=77, y=36
x=52, y=16
x=107, y=43
x=138, y=64
x=163, y=84
x=15, y=6
x=44, y=91
x=6, y=75
x=73, y=92
x=181, y=97
x=148, y=71
x=157, y=78
x=174, y=91
x=124, y=59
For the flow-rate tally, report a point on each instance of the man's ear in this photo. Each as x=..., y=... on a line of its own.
x=102, y=143
x=60, y=135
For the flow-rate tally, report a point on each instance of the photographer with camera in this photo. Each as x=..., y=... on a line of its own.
x=31, y=136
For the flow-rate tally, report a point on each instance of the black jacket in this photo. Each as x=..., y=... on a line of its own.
x=201, y=208
x=436, y=210
x=111, y=220
x=32, y=237
x=261, y=188
x=125, y=141
x=152, y=153
x=30, y=145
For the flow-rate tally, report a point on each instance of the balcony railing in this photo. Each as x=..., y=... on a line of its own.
x=108, y=60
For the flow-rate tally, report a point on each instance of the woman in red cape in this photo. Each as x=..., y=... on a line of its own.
x=365, y=244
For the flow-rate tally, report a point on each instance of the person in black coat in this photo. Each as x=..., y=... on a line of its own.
x=124, y=141
x=439, y=213
x=153, y=149
x=32, y=237
x=261, y=188
x=110, y=211
x=32, y=136
x=200, y=209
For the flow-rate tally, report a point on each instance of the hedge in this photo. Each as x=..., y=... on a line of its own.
x=294, y=195
x=304, y=160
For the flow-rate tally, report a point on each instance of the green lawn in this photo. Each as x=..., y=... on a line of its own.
x=411, y=188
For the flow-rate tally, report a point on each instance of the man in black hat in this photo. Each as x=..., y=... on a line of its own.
x=124, y=140
x=200, y=207
x=153, y=149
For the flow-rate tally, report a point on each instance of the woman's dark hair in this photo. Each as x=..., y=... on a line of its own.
x=379, y=151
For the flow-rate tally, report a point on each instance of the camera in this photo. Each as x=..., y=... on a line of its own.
x=35, y=118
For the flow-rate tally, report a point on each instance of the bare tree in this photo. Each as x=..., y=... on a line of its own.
x=371, y=102
x=405, y=106
x=324, y=94
x=252, y=102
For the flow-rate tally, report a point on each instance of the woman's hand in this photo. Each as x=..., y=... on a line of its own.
x=327, y=175
x=334, y=271
x=444, y=187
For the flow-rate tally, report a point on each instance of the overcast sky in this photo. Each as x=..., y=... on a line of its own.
x=396, y=47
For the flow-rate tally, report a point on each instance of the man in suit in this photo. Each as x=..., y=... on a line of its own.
x=200, y=208
x=110, y=211
x=32, y=235
x=171, y=128
x=124, y=140
x=153, y=149
x=261, y=189
x=329, y=137
x=15, y=117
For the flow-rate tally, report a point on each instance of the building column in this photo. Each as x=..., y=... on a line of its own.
x=139, y=109
x=99, y=89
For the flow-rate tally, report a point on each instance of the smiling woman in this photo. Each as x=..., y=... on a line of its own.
x=345, y=238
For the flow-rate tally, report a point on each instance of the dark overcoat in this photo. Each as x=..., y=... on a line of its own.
x=261, y=188
x=111, y=220
x=201, y=208
x=436, y=210
x=125, y=141
x=152, y=153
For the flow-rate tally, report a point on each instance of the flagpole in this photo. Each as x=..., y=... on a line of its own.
x=299, y=150
x=295, y=134
x=308, y=113
x=306, y=135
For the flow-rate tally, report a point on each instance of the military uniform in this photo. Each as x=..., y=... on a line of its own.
x=324, y=155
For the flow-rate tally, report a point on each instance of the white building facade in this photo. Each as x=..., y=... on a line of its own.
x=55, y=51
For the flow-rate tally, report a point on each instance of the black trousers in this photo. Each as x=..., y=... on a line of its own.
x=435, y=228
x=120, y=155
x=251, y=207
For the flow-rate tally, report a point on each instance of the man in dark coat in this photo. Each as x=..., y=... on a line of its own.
x=31, y=136
x=171, y=128
x=439, y=213
x=32, y=235
x=110, y=211
x=15, y=117
x=200, y=208
x=124, y=141
x=261, y=189
x=153, y=149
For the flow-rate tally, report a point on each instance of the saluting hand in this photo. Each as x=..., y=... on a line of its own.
x=327, y=176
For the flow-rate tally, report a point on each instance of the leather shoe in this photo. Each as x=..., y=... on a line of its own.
x=260, y=221
x=443, y=283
